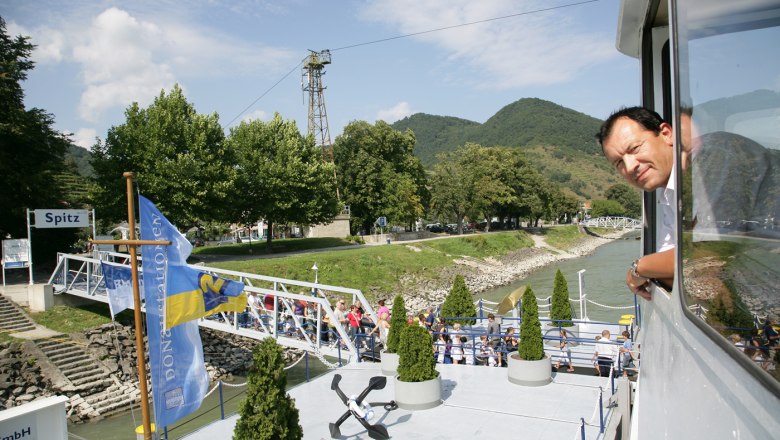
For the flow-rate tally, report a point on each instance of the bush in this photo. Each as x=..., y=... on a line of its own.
x=459, y=302
x=415, y=355
x=267, y=412
x=531, y=347
x=561, y=308
x=397, y=324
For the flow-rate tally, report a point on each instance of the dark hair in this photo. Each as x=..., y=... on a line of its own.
x=381, y=302
x=647, y=118
x=491, y=316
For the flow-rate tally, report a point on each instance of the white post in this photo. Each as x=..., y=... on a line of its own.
x=94, y=230
x=583, y=308
x=29, y=247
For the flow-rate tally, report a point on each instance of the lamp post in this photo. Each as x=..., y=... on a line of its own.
x=316, y=277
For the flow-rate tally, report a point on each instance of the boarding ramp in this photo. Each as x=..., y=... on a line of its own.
x=612, y=223
x=319, y=332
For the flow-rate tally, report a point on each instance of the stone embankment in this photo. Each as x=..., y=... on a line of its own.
x=489, y=273
x=23, y=378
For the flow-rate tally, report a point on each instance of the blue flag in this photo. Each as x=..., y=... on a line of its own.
x=178, y=373
x=119, y=286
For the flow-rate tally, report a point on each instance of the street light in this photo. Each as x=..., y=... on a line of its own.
x=316, y=277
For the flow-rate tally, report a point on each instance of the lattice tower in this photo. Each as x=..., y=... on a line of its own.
x=313, y=69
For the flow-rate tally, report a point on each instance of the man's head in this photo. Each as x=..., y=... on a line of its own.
x=491, y=316
x=639, y=144
x=605, y=334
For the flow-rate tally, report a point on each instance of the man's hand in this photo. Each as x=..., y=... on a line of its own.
x=638, y=285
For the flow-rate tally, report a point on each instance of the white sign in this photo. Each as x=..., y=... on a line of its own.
x=42, y=419
x=61, y=218
x=15, y=253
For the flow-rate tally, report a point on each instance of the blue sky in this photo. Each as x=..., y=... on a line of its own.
x=94, y=58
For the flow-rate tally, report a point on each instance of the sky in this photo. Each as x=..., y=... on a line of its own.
x=242, y=58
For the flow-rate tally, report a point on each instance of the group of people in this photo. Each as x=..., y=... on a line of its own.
x=761, y=346
x=617, y=354
x=454, y=346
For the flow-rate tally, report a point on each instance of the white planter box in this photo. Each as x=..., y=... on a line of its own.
x=529, y=373
x=418, y=395
x=389, y=363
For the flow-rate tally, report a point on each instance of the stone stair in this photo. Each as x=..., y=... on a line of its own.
x=12, y=318
x=114, y=399
x=85, y=373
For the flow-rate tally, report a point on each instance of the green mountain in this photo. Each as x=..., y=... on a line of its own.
x=77, y=159
x=559, y=141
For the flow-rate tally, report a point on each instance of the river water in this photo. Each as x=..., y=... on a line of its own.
x=604, y=279
x=605, y=271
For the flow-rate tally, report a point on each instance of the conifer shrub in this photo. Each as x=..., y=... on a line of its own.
x=267, y=412
x=397, y=324
x=531, y=347
x=560, y=314
x=459, y=302
x=415, y=356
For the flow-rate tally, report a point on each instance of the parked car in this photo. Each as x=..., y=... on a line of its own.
x=435, y=228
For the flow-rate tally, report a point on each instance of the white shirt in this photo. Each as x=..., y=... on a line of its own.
x=667, y=237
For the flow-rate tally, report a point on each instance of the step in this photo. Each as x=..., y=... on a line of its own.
x=78, y=375
x=96, y=378
x=54, y=350
x=16, y=324
x=117, y=408
x=104, y=402
x=76, y=366
x=97, y=384
x=64, y=358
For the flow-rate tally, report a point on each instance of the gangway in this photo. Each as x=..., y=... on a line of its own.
x=82, y=276
x=612, y=222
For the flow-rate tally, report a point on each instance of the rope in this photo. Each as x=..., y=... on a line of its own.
x=296, y=362
x=234, y=385
x=324, y=361
x=610, y=307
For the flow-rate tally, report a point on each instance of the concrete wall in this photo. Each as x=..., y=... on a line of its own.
x=339, y=228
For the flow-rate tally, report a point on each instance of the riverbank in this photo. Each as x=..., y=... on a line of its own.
x=483, y=274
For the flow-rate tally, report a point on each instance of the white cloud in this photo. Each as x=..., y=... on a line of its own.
x=85, y=138
x=533, y=49
x=257, y=114
x=392, y=114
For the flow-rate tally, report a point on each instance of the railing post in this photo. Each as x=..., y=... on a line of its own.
x=357, y=345
x=480, y=310
x=582, y=428
x=221, y=402
x=306, y=353
x=338, y=341
x=601, y=411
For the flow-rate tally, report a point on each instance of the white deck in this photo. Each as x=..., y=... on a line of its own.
x=478, y=402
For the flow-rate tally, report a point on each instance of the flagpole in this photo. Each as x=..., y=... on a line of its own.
x=139, y=337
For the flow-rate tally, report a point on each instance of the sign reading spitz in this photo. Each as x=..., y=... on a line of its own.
x=61, y=218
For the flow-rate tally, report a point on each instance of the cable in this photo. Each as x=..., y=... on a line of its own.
x=398, y=37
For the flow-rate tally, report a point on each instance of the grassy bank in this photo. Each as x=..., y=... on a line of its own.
x=376, y=270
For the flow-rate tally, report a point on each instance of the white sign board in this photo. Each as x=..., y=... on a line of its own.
x=61, y=218
x=42, y=419
x=15, y=253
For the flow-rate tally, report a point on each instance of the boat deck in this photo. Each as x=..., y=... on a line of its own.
x=478, y=402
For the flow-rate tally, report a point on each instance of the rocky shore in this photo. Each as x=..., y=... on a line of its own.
x=484, y=274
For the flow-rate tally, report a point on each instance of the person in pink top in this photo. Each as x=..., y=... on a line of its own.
x=382, y=309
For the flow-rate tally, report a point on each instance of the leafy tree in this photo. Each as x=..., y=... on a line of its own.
x=378, y=174
x=531, y=346
x=459, y=302
x=450, y=190
x=629, y=198
x=267, y=412
x=415, y=360
x=605, y=208
x=179, y=157
x=397, y=324
x=281, y=176
x=561, y=308
x=31, y=153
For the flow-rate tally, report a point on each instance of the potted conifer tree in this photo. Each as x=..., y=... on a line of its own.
x=560, y=312
x=530, y=366
x=389, y=357
x=459, y=303
x=418, y=384
x=267, y=412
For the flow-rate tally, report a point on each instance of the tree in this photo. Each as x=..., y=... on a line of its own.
x=450, y=193
x=397, y=324
x=561, y=307
x=179, y=158
x=31, y=153
x=281, y=176
x=415, y=361
x=267, y=412
x=531, y=346
x=630, y=198
x=378, y=174
x=606, y=208
x=459, y=302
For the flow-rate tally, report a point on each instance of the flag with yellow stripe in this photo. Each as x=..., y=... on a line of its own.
x=193, y=294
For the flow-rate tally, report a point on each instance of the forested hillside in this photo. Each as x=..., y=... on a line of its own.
x=559, y=141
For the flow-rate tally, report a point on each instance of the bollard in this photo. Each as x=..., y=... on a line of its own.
x=139, y=432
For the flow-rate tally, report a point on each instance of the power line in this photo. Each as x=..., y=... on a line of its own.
x=398, y=37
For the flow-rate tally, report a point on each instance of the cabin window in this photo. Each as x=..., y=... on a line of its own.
x=730, y=132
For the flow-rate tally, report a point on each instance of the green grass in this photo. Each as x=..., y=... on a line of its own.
x=562, y=237
x=277, y=246
x=67, y=319
x=376, y=270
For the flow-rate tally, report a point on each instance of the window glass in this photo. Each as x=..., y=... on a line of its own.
x=730, y=130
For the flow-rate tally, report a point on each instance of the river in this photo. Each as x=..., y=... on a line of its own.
x=605, y=271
